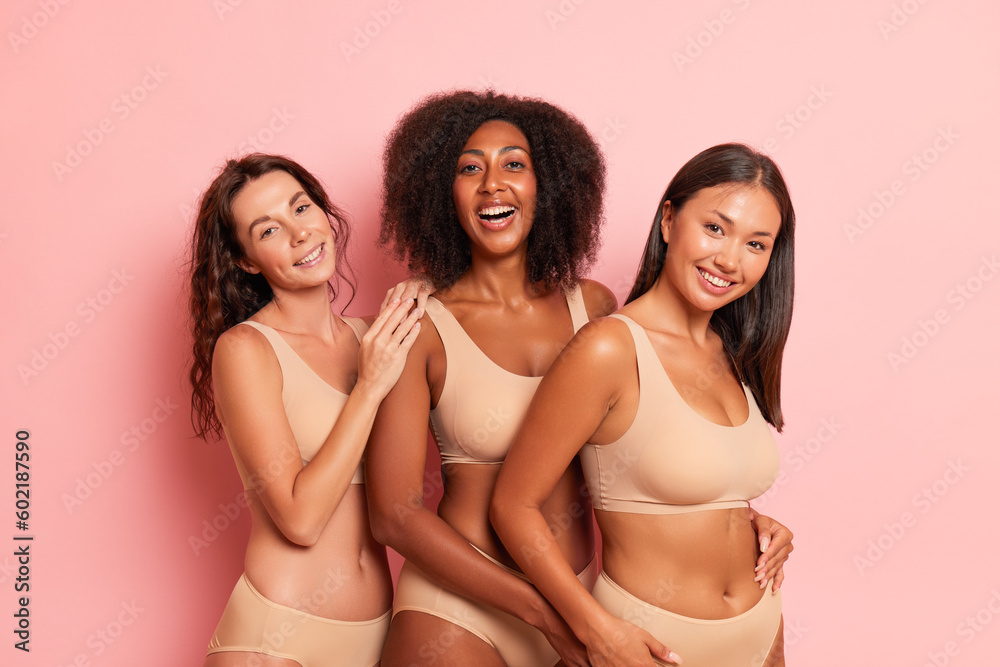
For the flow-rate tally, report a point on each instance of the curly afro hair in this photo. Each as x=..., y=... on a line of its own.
x=418, y=209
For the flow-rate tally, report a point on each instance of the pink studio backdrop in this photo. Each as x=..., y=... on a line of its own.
x=882, y=115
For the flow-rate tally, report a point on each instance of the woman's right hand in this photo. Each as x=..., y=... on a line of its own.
x=416, y=287
x=561, y=637
x=385, y=345
x=623, y=644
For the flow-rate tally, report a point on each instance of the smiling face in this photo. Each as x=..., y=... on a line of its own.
x=719, y=243
x=284, y=234
x=495, y=188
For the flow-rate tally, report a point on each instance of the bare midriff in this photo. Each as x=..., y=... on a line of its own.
x=344, y=576
x=466, y=501
x=699, y=564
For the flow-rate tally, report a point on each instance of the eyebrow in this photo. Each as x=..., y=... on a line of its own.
x=505, y=149
x=265, y=218
x=730, y=222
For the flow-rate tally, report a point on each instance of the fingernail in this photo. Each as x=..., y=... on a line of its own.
x=764, y=541
x=762, y=584
x=759, y=577
x=758, y=568
x=675, y=658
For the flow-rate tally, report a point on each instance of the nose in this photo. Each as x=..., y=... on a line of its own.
x=727, y=256
x=299, y=232
x=492, y=180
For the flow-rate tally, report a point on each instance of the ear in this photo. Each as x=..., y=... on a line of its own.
x=666, y=220
x=247, y=266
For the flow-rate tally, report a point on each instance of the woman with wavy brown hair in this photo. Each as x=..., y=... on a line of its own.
x=499, y=201
x=295, y=388
x=668, y=403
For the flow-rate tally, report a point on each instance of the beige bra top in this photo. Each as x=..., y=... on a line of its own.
x=672, y=460
x=481, y=405
x=311, y=404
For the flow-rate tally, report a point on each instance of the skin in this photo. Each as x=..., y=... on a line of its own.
x=307, y=520
x=521, y=328
x=591, y=395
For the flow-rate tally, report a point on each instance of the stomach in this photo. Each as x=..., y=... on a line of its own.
x=344, y=576
x=699, y=564
x=465, y=507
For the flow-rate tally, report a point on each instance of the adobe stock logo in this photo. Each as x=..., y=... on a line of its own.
x=59, y=340
x=31, y=25
x=923, y=501
x=371, y=30
x=121, y=108
x=958, y=298
x=914, y=167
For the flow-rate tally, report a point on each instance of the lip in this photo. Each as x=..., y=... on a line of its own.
x=714, y=289
x=315, y=260
x=496, y=225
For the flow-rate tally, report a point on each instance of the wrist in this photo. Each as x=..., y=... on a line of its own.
x=368, y=391
x=597, y=629
x=540, y=614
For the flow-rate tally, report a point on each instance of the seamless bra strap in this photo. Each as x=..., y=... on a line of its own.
x=357, y=325
x=453, y=336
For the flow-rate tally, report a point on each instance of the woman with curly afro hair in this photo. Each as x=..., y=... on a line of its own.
x=295, y=388
x=499, y=201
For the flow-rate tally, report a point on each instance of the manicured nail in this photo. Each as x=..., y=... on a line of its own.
x=675, y=658
x=764, y=541
x=758, y=568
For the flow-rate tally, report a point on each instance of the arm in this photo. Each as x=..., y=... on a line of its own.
x=395, y=479
x=247, y=382
x=575, y=401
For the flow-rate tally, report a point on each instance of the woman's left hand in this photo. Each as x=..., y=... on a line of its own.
x=418, y=287
x=775, y=545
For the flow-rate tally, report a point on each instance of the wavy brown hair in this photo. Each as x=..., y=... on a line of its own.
x=753, y=328
x=222, y=293
x=418, y=207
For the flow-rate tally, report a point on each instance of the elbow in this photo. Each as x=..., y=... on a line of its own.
x=388, y=526
x=302, y=533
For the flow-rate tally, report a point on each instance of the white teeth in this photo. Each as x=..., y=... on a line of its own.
x=718, y=282
x=496, y=210
x=310, y=257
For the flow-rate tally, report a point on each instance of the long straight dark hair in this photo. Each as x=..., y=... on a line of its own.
x=753, y=328
x=222, y=293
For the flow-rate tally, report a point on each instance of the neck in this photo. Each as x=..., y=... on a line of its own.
x=305, y=311
x=671, y=312
x=503, y=279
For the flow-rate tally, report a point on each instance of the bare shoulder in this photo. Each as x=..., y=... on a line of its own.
x=603, y=343
x=599, y=300
x=243, y=350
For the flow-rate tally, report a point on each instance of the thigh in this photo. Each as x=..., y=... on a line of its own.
x=416, y=638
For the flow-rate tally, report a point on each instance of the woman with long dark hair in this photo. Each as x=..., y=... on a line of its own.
x=295, y=388
x=668, y=403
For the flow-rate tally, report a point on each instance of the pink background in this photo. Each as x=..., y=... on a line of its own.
x=847, y=96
